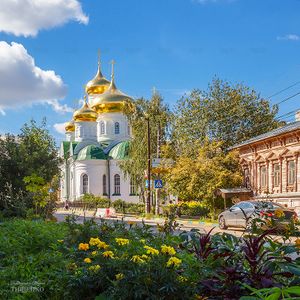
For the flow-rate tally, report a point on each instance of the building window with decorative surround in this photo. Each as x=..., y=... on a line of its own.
x=85, y=184
x=117, y=185
x=104, y=185
x=117, y=128
x=263, y=177
x=291, y=172
x=276, y=175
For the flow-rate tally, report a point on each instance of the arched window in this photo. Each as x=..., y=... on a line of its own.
x=117, y=185
x=117, y=128
x=102, y=127
x=85, y=184
x=104, y=184
x=132, y=187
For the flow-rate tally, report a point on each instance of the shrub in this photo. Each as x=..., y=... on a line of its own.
x=193, y=208
x=119, y=205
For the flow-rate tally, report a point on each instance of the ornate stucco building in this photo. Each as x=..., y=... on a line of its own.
x=97, y=138
x=271, y=164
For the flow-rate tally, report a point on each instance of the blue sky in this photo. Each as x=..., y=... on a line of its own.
x=172, y=45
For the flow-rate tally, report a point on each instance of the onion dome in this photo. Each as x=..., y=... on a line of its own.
x=99, y=84
x=85, y=113
x=70, y=126
x=113, y=100
x=91, y=152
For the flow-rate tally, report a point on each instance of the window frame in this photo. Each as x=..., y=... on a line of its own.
x=117, y=128
x=291, y=175
x=85, y=184
x=117, y=185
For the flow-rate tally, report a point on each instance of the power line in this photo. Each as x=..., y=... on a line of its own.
x=286, y=99
x=283, y=90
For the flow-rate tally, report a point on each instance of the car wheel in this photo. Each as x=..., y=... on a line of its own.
x=222, y=224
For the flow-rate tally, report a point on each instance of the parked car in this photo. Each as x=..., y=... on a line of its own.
x=237, y=215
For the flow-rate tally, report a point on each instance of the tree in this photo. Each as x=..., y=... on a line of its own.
x=197, y=179
x=225, y=112
x=32, y=153
x=159, y=116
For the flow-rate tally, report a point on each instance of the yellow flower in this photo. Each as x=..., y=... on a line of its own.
x=94, y=241
x=120, y=276
x=87, y=260
x=279, y=213
x=297, y=243
x=137, y=259
x=60, y=241
x=151, y=250
x=143, y=241
x=174, y=261
x=122, y=242
x=94, y=253
x=168, y=250
x=182, y=279
x=145, y=257
x=108, y=254
x=83, y=246
x=102, y=245
x=95, y=268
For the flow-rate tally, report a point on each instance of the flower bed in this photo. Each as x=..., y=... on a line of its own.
x=130, y=261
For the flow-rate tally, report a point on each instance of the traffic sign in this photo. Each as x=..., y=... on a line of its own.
x=158, y=184
x=147, y=183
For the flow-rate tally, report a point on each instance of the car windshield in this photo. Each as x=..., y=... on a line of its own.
x=267, y=205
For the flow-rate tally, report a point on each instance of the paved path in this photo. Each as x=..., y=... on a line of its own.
x=184, y=224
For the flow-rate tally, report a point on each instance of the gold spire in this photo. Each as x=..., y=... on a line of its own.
x=99, y=84
x=113, y=100
x=85, y=113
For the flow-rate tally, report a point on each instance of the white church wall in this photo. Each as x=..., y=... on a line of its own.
x=85, y=131
x=94, y=169
x=107, y=131
x=124, y=184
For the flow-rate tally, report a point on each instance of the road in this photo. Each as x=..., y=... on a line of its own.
x=186, y=225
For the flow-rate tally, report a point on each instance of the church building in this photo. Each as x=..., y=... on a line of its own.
x=97, y=139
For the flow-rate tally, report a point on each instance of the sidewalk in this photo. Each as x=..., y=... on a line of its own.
x=132, y=218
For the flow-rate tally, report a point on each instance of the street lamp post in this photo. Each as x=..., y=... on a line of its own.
x=148, y=201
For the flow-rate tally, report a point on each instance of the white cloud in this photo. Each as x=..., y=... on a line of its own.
x=23, y=83
x=60, y=127
x=289, y=37
x=28, y=17
x=59, y=108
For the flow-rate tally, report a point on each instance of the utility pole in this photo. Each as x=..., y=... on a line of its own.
x=148, y=202
x=157, y=191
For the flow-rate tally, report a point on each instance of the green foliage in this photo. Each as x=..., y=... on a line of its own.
x=225, y=112
x=219, y=266
x=32, y=153
x=159, y=117
x=125, y=207
x=199, y=178
x=91, y=201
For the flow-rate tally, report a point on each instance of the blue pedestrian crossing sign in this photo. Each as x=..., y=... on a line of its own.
x=158, y=184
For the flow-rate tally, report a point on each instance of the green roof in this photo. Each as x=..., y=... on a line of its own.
x=66, y=148
x=91, y=152
x=120, y=151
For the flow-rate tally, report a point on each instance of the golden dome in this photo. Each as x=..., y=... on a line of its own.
x=99, y=84
x=85, y=113
x=70, y=126
x=113, y=100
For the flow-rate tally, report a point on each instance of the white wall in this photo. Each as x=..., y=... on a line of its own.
x=85, y=131
x=109, y=120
